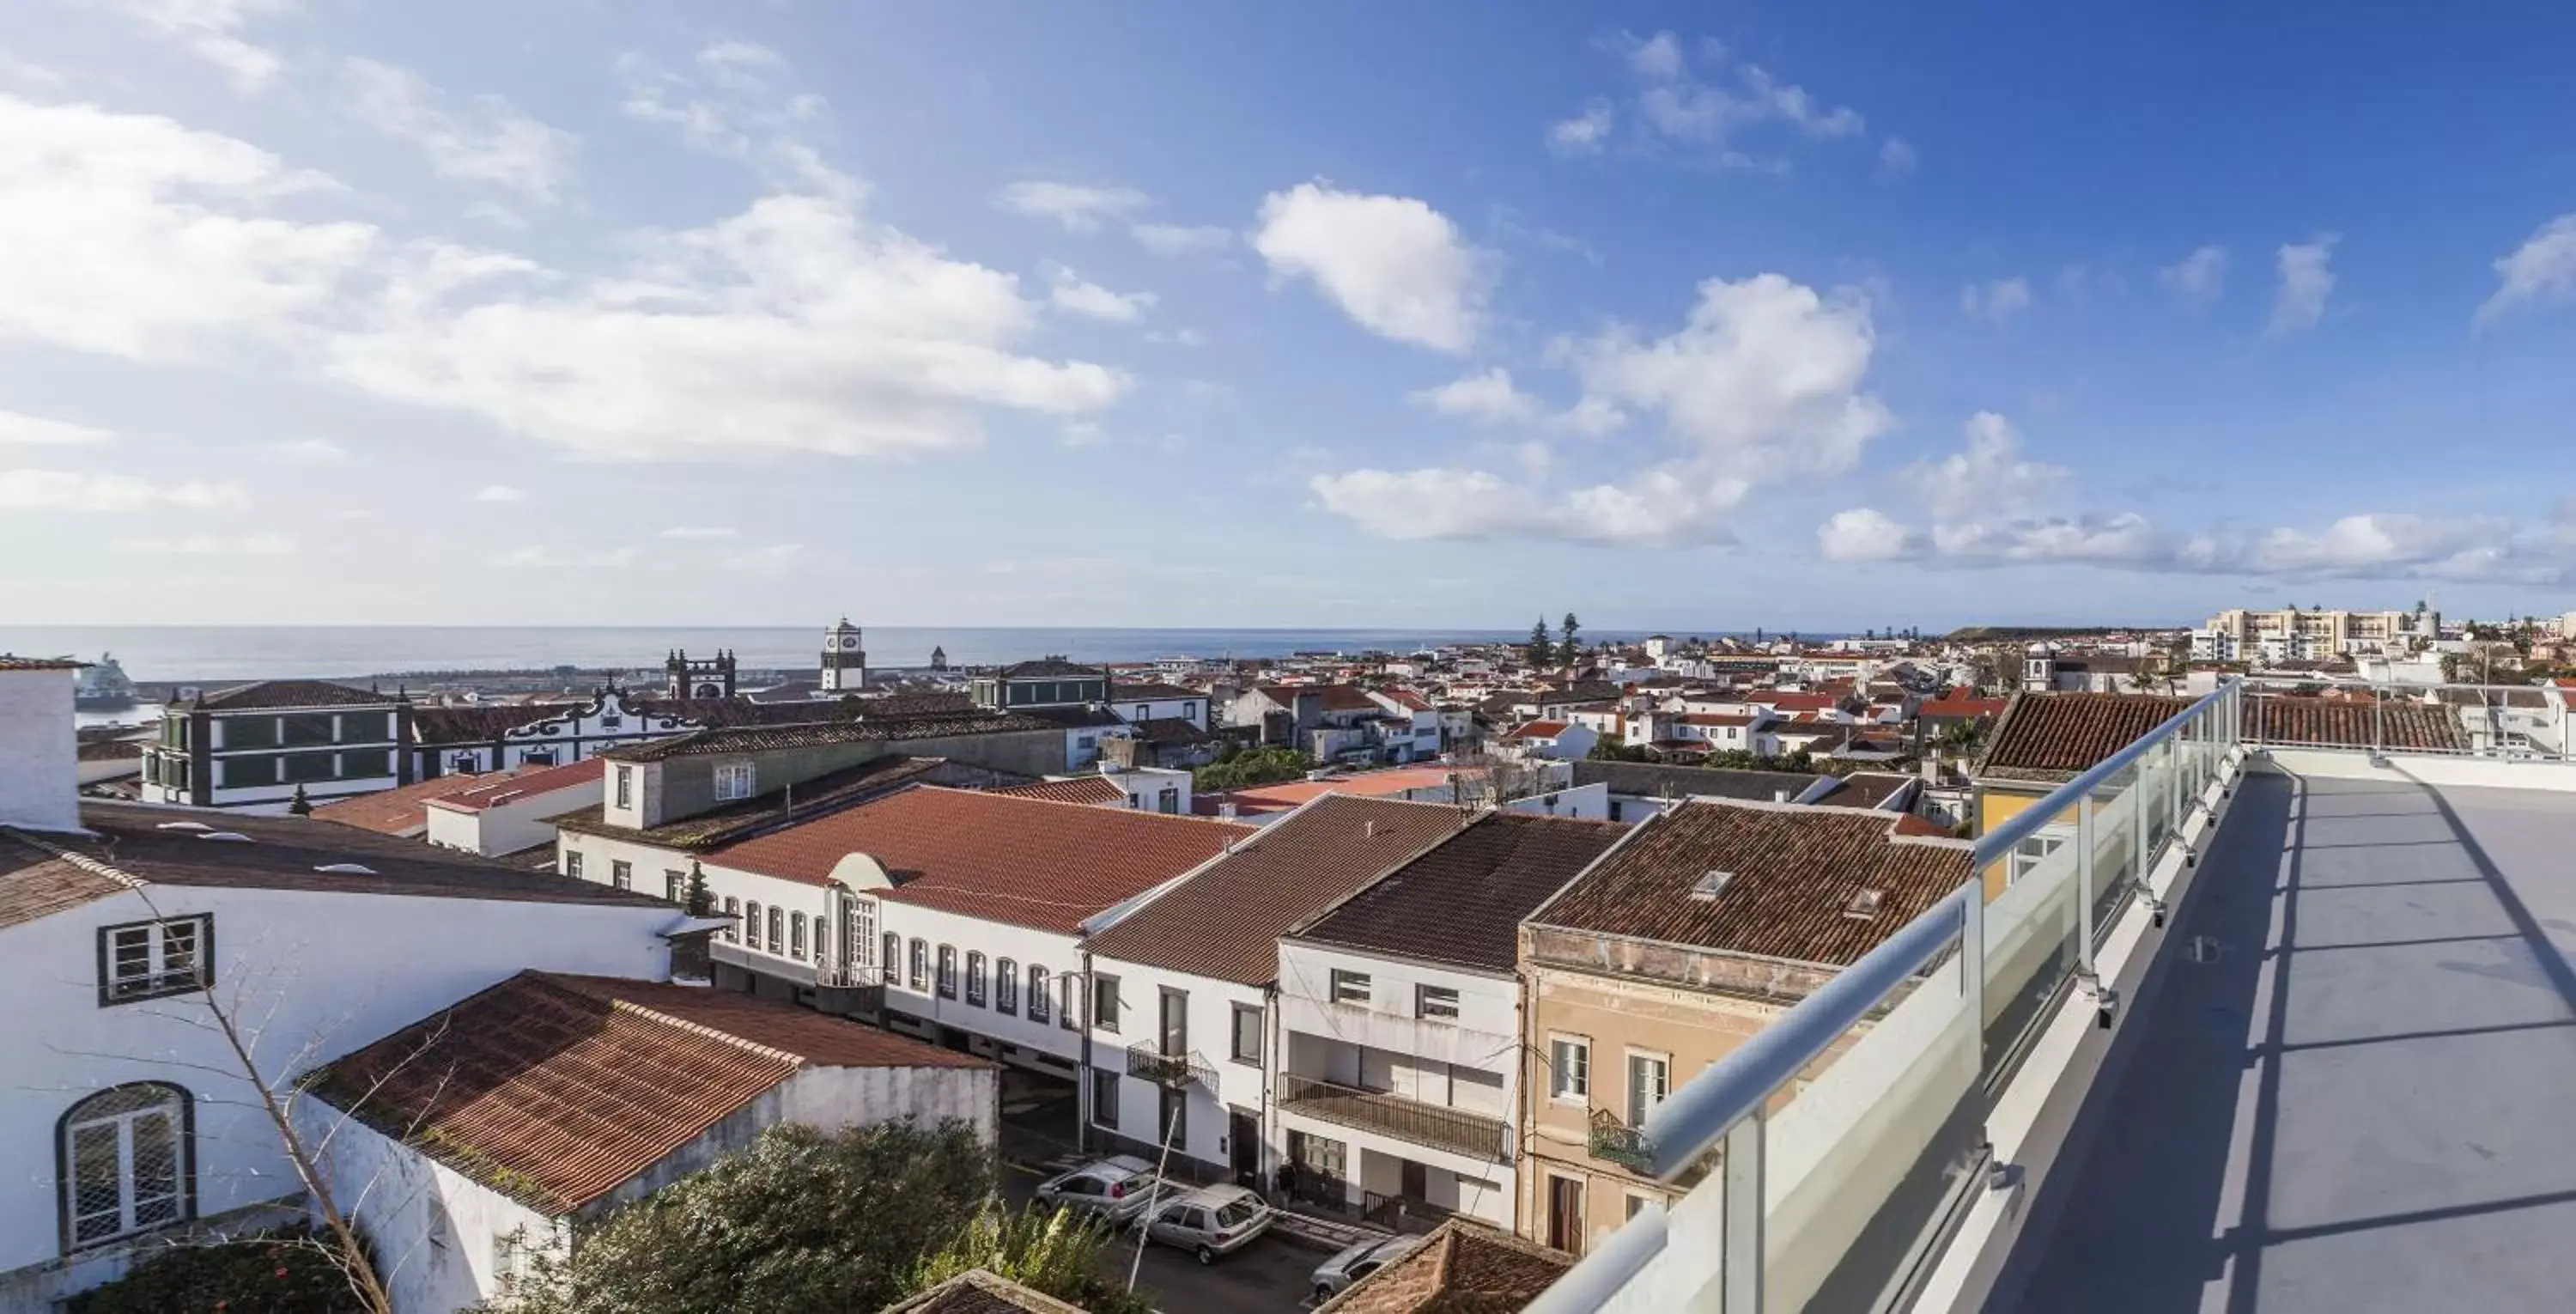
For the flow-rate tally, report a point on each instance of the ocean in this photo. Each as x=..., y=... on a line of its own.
x=208, y=654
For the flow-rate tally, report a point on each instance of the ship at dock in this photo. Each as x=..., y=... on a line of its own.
x=103, y=687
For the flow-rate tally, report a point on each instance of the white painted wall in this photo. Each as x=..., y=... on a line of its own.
x=1584, y=803
x=1059, y=954
x=323, y=973
x=506, y=827
x=39, y=779
x=1211, y=1024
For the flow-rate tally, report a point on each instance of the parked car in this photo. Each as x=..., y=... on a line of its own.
x=1210, y=1222
x=1114, y=1188
x=1336, y=1274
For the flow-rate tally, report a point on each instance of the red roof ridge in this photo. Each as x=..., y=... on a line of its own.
x=666, y=1019
x=1068, y=803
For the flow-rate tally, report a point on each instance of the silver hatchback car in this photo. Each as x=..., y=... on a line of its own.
x=1115, y=1188
x=1210, y=1222
x=1336, y=1274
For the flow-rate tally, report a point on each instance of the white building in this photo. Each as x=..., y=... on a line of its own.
x=590, y=1093
x=256, y=746
x=1399, y=1025
x=1555, y=740
x=1183, y=984
x=322, y=937
x=845, y=661
x=512, y=814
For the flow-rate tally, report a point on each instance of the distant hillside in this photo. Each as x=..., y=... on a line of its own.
x=2033, y=633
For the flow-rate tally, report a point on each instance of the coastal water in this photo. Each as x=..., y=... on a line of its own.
x=195, y=654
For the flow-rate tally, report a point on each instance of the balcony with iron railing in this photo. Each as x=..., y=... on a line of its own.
x=1146, y=1062
x=1439, y=1126
x=2283, y=1028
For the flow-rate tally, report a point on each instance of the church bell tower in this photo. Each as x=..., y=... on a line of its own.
x=845, y=663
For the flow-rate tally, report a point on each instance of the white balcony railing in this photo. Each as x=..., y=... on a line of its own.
x=1840, y=1199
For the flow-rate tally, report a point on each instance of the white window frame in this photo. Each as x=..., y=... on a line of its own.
x=127, y=1211
x=1435, y=1010
x=161, y=972
x=2035, y=849
x=1569, y=1083
x=736, y=781
x=1638, y=1108
x=625, y=786
x=1345, y=982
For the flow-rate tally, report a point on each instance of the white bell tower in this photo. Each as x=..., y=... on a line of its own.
x=845, y=663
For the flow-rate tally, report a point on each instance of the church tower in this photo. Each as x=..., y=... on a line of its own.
x=845, y=663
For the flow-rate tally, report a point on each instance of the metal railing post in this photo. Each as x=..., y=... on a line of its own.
x=2138, y=784
x=1972, y=961
x=1744, y=1208
x=2084, y=842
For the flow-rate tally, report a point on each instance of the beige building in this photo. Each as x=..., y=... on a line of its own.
x=2323, y=633
x=1661, y=958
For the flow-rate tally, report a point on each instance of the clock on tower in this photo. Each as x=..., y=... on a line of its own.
x=845, y=663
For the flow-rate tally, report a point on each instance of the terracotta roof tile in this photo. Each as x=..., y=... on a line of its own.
x=1023, y=861
x=1463, y=900
x=1365, y=784
x=401, y=812
x=1225, y=922
x=1098, y=791
x=479, y=723
x=981, y=1291
x=1537, y=730
x=1462, y=1268
x=1657, y=780
x=2419, y=727
x=289, y=694
x=812, y=797
x=36, y=883
x=812, y=733
x=2055, y=737
x=1795, y=871
x=557, y=1089
x=524, y=783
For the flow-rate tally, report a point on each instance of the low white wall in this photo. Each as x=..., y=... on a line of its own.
x=2426, y=769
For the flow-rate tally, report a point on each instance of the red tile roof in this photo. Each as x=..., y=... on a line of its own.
x=1717, y=719
x=1462, y=1268
x=1537, y=730
x=401, y=812
x=1795, y=871
x=1225, y=922
x=1260, y=799
x=1024, y=861
x=1098, y=791
x=526, y=784
x=2055, y=737
x=557, y=1089
x=1798, y=702
x=1979, y=708
x=2417, y=727
x=1406, y=699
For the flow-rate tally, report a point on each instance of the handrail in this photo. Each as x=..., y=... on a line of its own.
x=1612, y=1266
x=1996, y=844
x=1682, y=1127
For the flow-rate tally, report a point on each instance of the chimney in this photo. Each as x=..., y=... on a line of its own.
x=39, y=753
x=1368, y=828
x=1932, y=769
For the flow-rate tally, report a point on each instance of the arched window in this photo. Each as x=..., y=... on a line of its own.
x=751, y=923
x=974, y=978
x=921, y=965
x=1006, y=985
x=127, y=1163
x=1037, y=994
x=893, y=958
x=796, y=937
x=777, y=929
x=948, y=971
x=822, y=939
x=733, y=918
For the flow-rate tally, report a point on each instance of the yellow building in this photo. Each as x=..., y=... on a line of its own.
x=2043, y=741
x=1678, y=945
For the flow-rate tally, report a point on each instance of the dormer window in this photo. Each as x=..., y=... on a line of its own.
x=734, y=781
x=150, y=960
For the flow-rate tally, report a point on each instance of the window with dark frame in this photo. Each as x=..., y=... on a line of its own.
x=948, y=971
x=127, y=1163
x=1104, y=1002
x=151, y=960
x=777, y=929
x=974, y=979
x=1435, y=1003
x=733, y=921
x=1038, y=1000
x=1350, y=987
x=1174, y=1123
x=893, y=963
x=625, y=786
x=572, y=863
x=751, y=923
x=1104, y=1098
x=621, y=874
x=675, y=885
x=796, y=937
x=920, y=965
x=1174, y=1034
x=1069, y=1014
x=1006, y=986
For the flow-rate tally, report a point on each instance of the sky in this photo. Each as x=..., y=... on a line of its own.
x=1326, y=314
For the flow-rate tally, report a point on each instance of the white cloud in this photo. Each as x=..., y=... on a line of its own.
x=1862, y=534
x=1079, y=208
x=1492, y=398
x=1584, y=133
x=1395, y=265
x=775, y=559
x=1989, y=477
x=210, y=29
x=1092, y=301
x=1658, y=57
x=732, y=107
x=1765, y=377
x=1661, y=507
x=21, y=430
x=307, y=451
x=2307, y=280
x=1182, y=337
x=2365, y=544
x=1995, y=301
x=1083, y=433
x=499, y=493
x=1172, y=241
x=1487, y=398
x=67, y=490
x=2199, y=277
x=487, y=140
x=2542, y=269
x=1897, y=157
x=131, y=235
x=207, y=545
x=698, y=531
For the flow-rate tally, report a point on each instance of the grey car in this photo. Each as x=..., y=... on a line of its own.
x=1336, y=1274
x=1210, y=1222
x=1115, y=1188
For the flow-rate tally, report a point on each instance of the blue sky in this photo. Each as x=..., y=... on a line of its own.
x=1324, y=314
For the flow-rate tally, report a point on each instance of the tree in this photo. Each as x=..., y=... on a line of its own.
x=1542, y=654
x=277, y=1272
x=1570, y=628
x=300, y=805
x=806, y=1220
x=1258, y=766
x=1055, y=1254
x=700, y=901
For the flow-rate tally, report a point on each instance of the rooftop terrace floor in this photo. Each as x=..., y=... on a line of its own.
x=2367, y=1100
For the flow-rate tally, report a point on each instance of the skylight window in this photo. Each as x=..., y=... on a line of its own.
x=1864, y=905
x=1711, y=884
